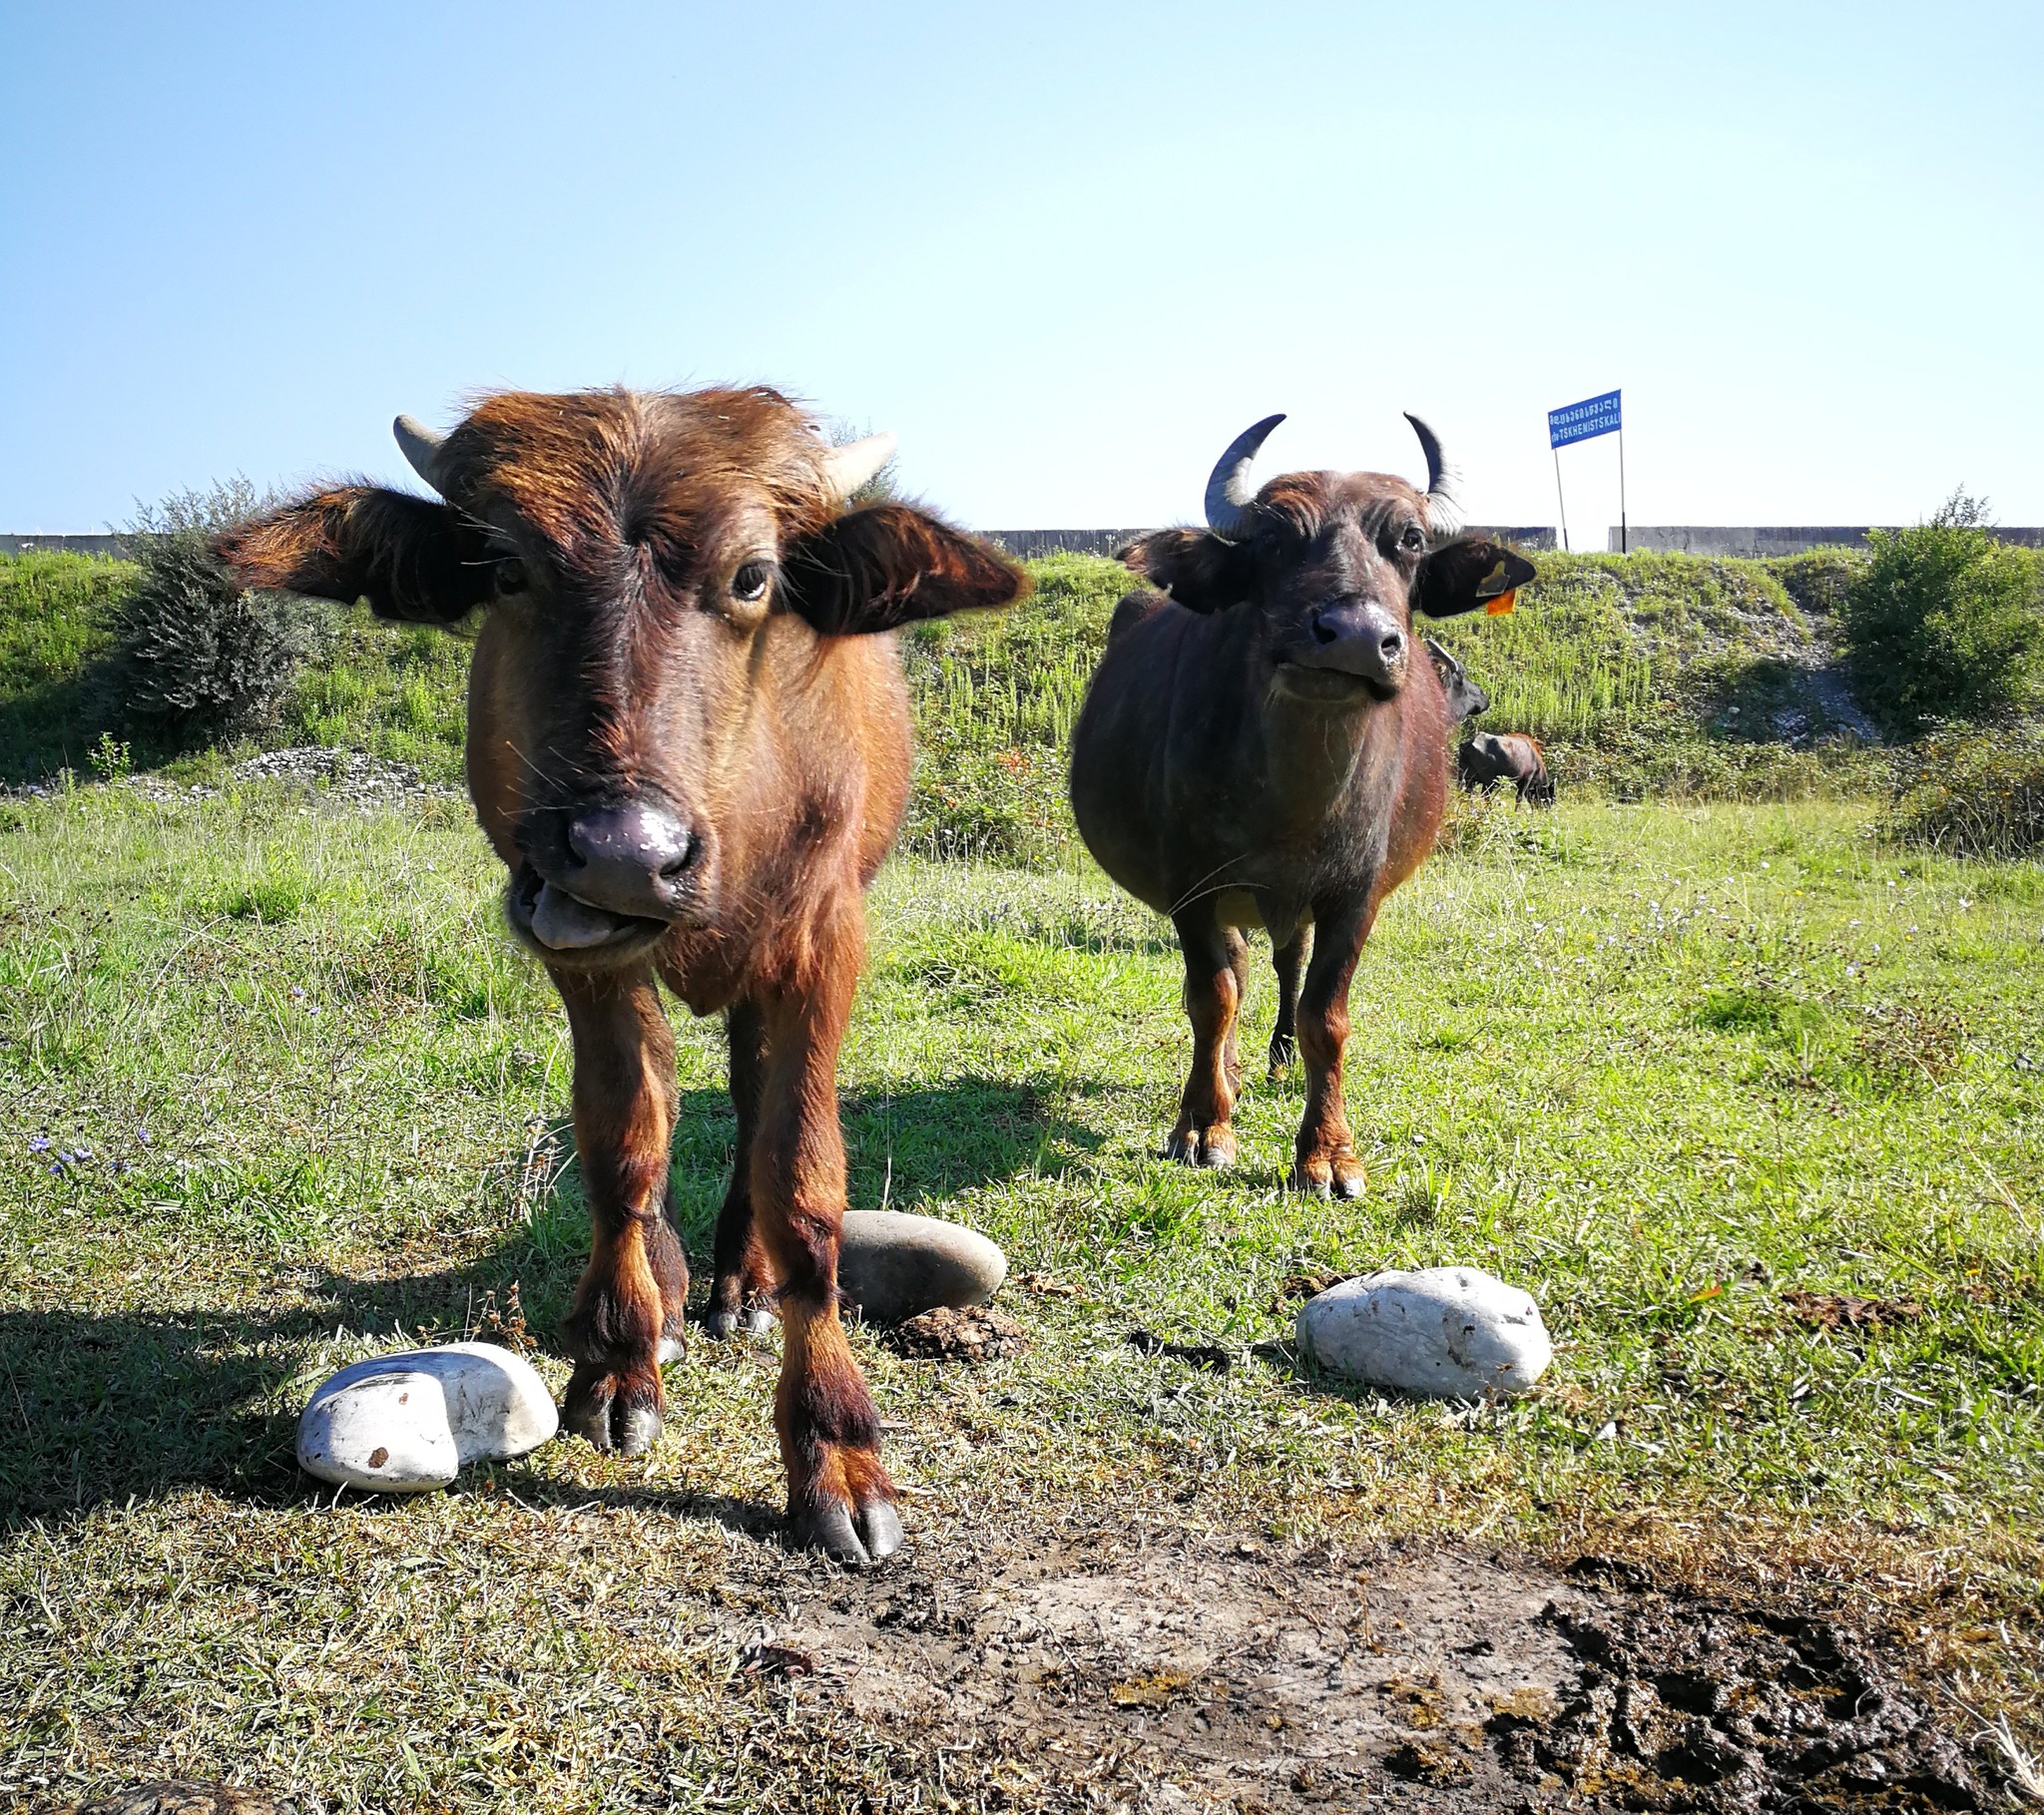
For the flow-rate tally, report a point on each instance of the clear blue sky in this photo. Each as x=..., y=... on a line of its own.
x=1064, y=251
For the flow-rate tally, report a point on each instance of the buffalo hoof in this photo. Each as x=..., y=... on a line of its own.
x=757, y=1321
x=1330, y=1176
x=1211, y=1147
x=853, y=1536
x=611, y=1412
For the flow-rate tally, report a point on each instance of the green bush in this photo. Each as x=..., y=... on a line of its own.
x=196, y=658
x=1943, y=621
x=1973, y=791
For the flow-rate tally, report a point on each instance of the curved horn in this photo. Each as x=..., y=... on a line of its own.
x=421, y=447
x=847, y=468
x=1228, y=487
x=1440, y=477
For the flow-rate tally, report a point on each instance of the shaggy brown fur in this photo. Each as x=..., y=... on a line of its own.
x=680, y=634
x=1267, y=747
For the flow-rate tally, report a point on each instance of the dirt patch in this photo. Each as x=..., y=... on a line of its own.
x=1213, y=1676
x=976, y=1333
x=1836, y=1310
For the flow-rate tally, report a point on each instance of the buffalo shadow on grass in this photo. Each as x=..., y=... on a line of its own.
x=100, y=1406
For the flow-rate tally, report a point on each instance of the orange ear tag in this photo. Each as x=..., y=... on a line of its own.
x=1501, y=606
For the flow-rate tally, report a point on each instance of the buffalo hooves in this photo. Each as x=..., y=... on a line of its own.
x=720, y=1324
x=672, y=1348
x=1213, y=1150
x=882, y=1530
x=875, y=1536
x=636, y=1429
x=1321, y=1178
x=758, y=1321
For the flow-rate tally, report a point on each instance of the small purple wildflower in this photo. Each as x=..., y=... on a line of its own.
x=65, y=1158
x=56, y=1171
x=38, y=1143
x=83, y=1153
x=297, y=992
x=142, y=1135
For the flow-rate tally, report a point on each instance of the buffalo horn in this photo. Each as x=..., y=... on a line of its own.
x=1440, y=494
x=1228, y=487
x=421, y=447
x=848, y=467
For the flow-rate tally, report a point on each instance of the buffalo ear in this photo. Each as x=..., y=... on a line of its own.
x=877, y=569
x=1200, y=572
x=1468, y=572
x=412, y=558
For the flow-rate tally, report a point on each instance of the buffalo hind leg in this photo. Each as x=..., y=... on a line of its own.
x=627, y=1315
x=1326, y=1162
x=1287, y=960
x=1215, y=961
x=741, y=1290
x=839, y=1498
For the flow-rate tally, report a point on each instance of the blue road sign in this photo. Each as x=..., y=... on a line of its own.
x=1583, y=421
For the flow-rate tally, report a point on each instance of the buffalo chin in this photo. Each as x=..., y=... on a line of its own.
x=541, y=914
x=1332, y=686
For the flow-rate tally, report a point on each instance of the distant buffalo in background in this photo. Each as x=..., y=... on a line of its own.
x=1465, y=699
x=1491, y=757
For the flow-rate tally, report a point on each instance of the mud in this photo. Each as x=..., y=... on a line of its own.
x=1217, y=1677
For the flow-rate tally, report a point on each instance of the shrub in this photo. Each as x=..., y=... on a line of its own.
x=1942, y=621
x=196, y=658
x=1976, y=793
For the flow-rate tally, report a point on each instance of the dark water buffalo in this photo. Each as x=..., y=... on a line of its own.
x=1266, y=747
x=1465, y=699
x=1491, y=758
x=690, y=749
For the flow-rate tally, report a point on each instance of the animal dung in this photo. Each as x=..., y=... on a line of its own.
x=410, y=1422
x=896, y=1266
x=1440, y=1333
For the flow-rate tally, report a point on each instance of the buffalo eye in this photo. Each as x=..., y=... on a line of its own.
x=748, y=584
x=512, y=577
x=1413, y=540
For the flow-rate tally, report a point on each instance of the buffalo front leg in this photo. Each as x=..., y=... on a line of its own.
x=840, y=1497
x=1215, y=959
x=742, y=1286
x=627, y=1316
x=1326, y=1162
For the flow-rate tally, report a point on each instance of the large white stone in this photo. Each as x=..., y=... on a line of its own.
x=404, y=1423
x=897, y=1266
x=1442, y=1332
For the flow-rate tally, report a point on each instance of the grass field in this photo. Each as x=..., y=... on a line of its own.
x=1753, y=1106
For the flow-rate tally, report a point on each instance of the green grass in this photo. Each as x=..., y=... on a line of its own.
x=1648, y=675
x=1664, y=1065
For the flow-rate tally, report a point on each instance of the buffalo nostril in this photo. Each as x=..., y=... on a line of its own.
x=1392, y=645
x=1324, y=631
x=671, y=871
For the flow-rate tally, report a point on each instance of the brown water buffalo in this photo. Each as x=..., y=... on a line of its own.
x=691, y=748
x=1266, y=747
x=1490, y=759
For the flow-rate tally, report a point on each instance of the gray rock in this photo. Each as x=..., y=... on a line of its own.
x=897, y=1266
x=1442, y=1332
x=409, y=1422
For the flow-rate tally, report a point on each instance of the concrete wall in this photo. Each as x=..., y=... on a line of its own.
x=1717, y=539
x=1033, y=545
x=70, y=545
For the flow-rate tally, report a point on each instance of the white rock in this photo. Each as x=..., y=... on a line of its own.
x=404, y=1423
x=897, y=1266
x=1442, y=1332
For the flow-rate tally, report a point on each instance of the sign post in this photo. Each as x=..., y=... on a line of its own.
x=1585, y=422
